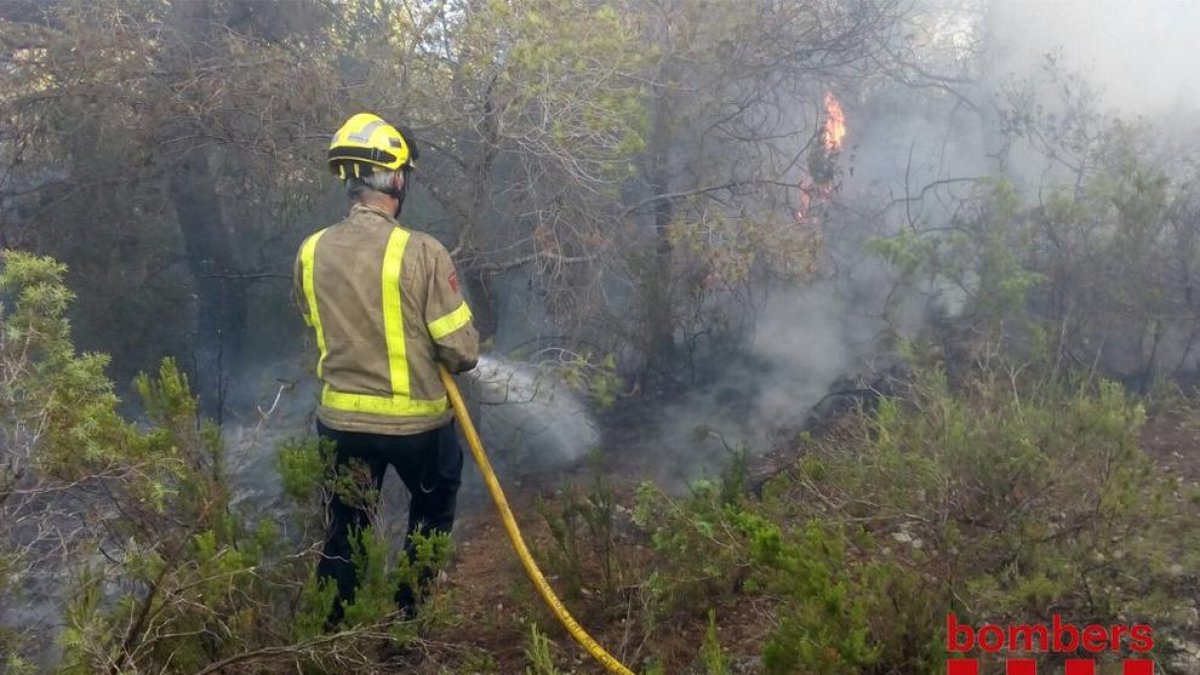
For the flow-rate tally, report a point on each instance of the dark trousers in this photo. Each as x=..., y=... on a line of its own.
x=430, y=465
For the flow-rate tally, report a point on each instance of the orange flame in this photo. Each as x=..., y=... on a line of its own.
x=835, y=123
x=820, y=188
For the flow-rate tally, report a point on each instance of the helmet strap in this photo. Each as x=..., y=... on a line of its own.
x=402, y=192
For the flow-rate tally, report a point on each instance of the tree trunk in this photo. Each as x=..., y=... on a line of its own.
x=657, y=306
x=221, y=296
x=482, y=298
x=479, y=282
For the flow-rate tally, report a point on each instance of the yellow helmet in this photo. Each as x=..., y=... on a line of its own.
x=366, y=141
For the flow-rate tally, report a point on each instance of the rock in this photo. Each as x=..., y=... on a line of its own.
x=906, y=538
x=1185, y=661
x=746, y=665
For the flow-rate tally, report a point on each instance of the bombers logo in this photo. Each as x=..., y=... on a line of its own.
x=1058, y=637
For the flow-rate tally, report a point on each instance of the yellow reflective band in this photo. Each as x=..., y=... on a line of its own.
x=400, y=406
x=393, y=313
x=451, y=322
x=308, y=252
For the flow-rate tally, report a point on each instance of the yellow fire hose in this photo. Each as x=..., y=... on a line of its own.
x=514, y=533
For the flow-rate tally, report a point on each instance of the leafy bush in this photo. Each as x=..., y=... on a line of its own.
x=165, y=575
x=584, y=528
x=1005, y=500
x=710, y=651
x=823, y=611
x=539, y=653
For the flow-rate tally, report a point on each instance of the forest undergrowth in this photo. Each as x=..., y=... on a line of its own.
x=1002, y=493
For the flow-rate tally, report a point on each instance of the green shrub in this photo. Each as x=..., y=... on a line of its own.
x=1002, y=499
x=539, y=653
x=822, y=612
x=710, y=651
x=586, y=548
x=165, y=575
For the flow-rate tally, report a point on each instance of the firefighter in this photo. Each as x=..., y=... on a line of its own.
x=385, y=306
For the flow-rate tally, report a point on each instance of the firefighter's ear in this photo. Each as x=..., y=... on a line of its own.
x=398, y=181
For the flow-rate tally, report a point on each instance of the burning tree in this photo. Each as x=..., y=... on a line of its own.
x=822, y=180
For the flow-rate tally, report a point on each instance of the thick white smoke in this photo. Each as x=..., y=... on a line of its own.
x=1141, y=55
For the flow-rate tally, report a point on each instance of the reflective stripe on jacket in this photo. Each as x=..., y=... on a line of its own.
x=385, y=306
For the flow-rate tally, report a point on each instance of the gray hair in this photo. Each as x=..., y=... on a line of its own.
x=376, y=181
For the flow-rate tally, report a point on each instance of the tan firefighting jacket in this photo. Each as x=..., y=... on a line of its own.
x=385, y=305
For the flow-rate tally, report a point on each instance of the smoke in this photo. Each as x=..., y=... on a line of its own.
x=529, y=420
x=528, y=417
x=803, y=341
x=1141, y=56
x=1139, y=59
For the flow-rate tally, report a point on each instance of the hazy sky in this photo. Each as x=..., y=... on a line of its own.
x=1145, y=54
